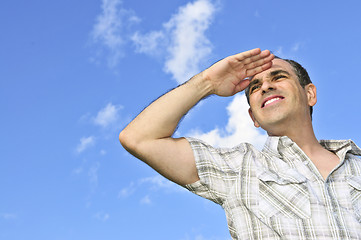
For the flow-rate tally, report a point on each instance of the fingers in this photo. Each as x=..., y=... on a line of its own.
x=258, y=69
x=252, y=55
x=228, y=75
x=260, y=63
x=244, y=55
x=254, y=61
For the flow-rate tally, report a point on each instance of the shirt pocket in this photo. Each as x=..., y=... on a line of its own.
x=284, y=195
x=355, y=192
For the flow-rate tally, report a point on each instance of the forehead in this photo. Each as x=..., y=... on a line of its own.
x=277, y=64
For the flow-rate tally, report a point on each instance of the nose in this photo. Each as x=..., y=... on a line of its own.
x=267, y=86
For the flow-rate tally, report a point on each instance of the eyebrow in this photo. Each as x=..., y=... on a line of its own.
x=271, y=74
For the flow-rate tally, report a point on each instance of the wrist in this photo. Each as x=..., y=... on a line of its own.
x=203, y=85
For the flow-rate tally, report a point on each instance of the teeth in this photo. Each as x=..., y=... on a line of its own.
x=271, y=101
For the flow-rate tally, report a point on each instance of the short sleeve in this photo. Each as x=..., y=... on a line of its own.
x=218, y=169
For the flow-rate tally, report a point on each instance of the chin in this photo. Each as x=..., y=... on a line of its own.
x=274, y=125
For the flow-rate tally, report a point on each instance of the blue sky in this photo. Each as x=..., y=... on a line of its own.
x=74, y=73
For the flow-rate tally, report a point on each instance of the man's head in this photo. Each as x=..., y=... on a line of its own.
x=300, y=72
x=282, y=93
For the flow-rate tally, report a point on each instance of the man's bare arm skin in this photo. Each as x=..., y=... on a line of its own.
x=149, y=136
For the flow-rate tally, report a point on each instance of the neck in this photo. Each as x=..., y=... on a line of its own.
x=302, y=133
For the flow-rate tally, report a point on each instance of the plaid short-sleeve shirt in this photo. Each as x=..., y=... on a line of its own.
x=278, y=193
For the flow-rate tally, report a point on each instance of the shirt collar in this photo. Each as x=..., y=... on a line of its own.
x=277, y=145
x=341, y=146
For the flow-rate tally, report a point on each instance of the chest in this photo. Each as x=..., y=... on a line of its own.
x=292, y=203
x=325, y=164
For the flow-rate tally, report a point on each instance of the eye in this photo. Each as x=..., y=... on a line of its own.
x=254, y=88
x=278, y=77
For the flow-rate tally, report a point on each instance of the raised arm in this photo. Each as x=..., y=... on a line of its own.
x=149, y=136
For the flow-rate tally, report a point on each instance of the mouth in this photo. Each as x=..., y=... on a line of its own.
x=270, y=100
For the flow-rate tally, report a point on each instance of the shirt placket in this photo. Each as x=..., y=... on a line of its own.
x=333, y=209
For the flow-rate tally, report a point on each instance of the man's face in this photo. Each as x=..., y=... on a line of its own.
x=276, y=96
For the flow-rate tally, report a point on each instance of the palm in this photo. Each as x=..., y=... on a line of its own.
x=228, y=76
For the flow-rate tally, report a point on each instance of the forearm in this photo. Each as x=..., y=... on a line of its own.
x=160, y=119
x=148, y=136
x=224, y=78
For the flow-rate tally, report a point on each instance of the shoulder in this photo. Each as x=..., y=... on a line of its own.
x=229, y=156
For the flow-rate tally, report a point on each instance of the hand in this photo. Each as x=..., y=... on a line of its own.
x=230, y=75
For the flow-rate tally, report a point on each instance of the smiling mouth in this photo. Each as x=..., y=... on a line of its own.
x=272, y=100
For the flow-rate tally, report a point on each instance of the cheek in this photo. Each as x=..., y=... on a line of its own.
x=253, y=100
x=303, y=95
x=299, y=94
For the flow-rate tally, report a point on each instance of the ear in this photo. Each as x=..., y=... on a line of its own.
x=256, y=124
x=311, y=94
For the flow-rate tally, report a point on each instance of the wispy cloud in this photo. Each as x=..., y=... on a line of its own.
x=189, y=44
x=77, y=170
x=145, y=200
x=93, y=175
x=149, y=185
x=109, y=29
x=127, y=191
x=279, y=51
x=181, y=41
x=159, y=182
x=8, y=216
x=289, y=51
x=239, y=127
x=183, y=37
x=296, y=46
x=107, y=115
x=85, y=142
x=149, y=43
x=201, y=237
x=102, y=216
x=89, y=171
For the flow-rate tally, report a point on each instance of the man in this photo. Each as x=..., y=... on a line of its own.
x=295, y=188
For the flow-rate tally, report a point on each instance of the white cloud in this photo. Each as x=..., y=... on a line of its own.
x=239, y=127
x=93, y=175
x=296, y=46
x=201, y=236
x=189, y=44
x=102, y=216
x=108, y=115
x=127, y=191
x=159, y=182
x=77, y=171
x=279, y=51
x=289, y=51
x=8, y=216
x=148, y=43
x=183, y=38
x=150, y=185
x=109, y=28
x=146, y=200
x=85, y=143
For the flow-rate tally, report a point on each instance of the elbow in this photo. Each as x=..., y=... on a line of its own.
x=123, y=138
x=127, y=141
x=130, y=144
